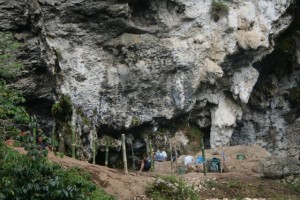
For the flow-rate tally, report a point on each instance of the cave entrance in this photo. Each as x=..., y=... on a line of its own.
x=114, y=157
x=206, y=137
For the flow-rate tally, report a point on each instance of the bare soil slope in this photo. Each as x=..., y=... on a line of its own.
x=115, y=182
x=239, y=183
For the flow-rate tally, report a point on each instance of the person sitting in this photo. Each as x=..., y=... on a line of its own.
x=145, y=163
x=40, y=142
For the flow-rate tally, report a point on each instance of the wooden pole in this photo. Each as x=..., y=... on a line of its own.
x=53, y=138
x=94, y=145
x=124, y=154
x=171, y=158
x=33, y=125
x=73, y=141
x=106, y=151
x=132, y=154
x=34, y=135
x=151, y=155
x=203, y=155
x=175, y=151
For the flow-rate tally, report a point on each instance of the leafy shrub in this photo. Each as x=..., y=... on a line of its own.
x=218, y=10
x=62, y=110
x=9, y=66
x=11, y=113
x=295, y=186
x=34, y=177
x=211, y=183
x=171, y=187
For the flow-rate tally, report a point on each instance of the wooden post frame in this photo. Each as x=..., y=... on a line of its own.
x=94, y=134
x=171, y=158
x=151, y=155
x=73, y=140
x=203, y=156
x=124, y=154
x=106, y=150
x=132, y=154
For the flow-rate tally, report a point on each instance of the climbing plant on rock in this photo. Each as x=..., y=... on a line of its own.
x=62, y=110
x=11, y=111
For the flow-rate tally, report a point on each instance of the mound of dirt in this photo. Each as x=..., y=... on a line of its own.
x=253, y=154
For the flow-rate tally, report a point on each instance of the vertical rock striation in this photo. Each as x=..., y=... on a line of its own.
x=126, y=63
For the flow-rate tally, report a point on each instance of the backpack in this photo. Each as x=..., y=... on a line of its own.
x=199, y=160
x=214, y=165
x=147, y=163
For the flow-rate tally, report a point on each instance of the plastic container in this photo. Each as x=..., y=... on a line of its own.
x=181, y=170
x=240, y=157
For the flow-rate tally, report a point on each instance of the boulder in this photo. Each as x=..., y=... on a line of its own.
x=279, y=167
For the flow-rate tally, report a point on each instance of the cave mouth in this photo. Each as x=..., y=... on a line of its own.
x=206, y=137
x=115, y=155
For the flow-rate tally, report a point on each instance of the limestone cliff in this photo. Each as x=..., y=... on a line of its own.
x=127, y=63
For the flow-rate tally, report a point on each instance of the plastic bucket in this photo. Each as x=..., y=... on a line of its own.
x=240, y=157
x=181, y=170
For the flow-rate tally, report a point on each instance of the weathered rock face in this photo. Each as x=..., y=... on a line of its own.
x=271, y=118
x=130, y=62
x=279, y=167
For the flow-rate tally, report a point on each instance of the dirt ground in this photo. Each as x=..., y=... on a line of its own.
x=239, y=183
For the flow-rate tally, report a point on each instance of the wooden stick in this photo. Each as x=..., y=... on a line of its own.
x=94, y=144
x=124, y=154
x=53, y=138
x=151, y=155
x=34, y=135
x=133, y=158
x=203, y=156
x=171, y=158
x=175, y=150
x=73, y=141
x=106, y=151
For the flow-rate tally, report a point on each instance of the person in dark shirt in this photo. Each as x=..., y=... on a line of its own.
x=41, y=143
x=145, y=163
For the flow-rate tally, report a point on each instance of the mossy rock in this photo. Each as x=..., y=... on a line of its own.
x=218, y=10
x=135, y=121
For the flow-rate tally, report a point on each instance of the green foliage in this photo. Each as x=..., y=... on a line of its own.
x=211, y=183
x=286, y=45
x=34, y=177
x=295, y=186
x=9, y=66
x=9, y=101
x=62, y=110
x=233, y=183
x=135, y=121
x=171, y=187
x=11, y=113
x=218, y=10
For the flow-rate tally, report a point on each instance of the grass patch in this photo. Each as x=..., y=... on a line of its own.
x=171, y=188
x=240, y=188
